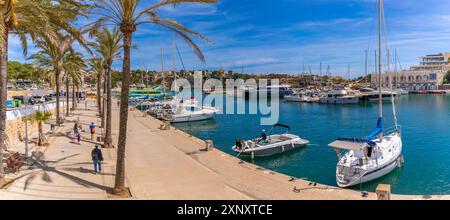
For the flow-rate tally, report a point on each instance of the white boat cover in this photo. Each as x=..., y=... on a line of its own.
x=347, y=145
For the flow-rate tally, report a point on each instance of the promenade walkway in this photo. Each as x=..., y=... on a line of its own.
x=63, y=170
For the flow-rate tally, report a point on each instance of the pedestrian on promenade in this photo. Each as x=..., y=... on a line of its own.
x=97, y=158
x=118, y=103
x=78, y=138
x=85, y=105
x=92, y=129
x=75, y=128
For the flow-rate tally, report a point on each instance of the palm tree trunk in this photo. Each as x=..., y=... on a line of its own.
x=57, y=73
x=78, y=94
x=74, y=101
x=3, y=96
x=67, y=97
x=104, y=98
x=119, y=186
x=41, y=133
x=99, y=93
x=108, y=137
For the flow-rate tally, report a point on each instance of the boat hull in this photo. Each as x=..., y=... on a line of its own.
x=352, y=100
x=373, y=175
x=265, y=152
x=381, y=170
x=192, y=118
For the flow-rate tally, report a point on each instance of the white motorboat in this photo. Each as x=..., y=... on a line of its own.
x=296, y=97
x=374, y=156
x=274, y=144
x=372, y=95
x=401, y=91
x=340, y=97
x=189, y=113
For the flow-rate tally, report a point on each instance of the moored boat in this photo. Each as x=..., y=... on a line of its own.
x=273, y=144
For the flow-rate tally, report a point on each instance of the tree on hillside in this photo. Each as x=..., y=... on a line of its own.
x=447, y=78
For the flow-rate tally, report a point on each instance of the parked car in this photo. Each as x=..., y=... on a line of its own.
x=27, y=100
x=40, y=99
x=9, y=104
x=48, y=98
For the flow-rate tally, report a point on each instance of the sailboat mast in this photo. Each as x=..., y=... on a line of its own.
x=380, y=97
x=366, y=61
x=174, y=66
x=162, y=70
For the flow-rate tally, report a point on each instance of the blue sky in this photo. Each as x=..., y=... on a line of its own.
x=266, y=36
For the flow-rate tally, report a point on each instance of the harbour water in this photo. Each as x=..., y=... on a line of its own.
x=425, y=121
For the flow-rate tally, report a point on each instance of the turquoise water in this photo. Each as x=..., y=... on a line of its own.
x=425, y=121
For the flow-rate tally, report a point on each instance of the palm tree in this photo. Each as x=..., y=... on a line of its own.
x=31, y=18
x=72, y=64
x=96, y=65
x=128, y=15
x=53, y=51
x=41, y=117
x=109, y=45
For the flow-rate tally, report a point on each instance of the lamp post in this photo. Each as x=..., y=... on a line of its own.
x=26, y=131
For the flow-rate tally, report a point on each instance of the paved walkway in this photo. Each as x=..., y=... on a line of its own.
x=64, y=170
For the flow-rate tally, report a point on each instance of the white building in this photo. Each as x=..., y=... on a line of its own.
x=428, y=75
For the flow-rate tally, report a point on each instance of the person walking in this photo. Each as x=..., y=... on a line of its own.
x=75, y=128
x=92, y=129
x=118, y=103
x=97, y=158
x=78, y=138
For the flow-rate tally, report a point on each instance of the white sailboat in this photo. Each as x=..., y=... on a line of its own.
x=376, y=155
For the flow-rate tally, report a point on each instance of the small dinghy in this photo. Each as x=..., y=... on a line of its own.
x=273, y=144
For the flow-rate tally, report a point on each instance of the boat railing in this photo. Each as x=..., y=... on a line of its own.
x=392, y=130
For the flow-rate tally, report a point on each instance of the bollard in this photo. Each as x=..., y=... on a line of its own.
x=165, y=126
x=383, y=192
x=209, y=145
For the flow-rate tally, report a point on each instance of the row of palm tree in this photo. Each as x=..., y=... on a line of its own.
x=52, y=31
x=38, y=20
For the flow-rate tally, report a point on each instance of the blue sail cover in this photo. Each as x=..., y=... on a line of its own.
x=377, y=131
x=369, y=138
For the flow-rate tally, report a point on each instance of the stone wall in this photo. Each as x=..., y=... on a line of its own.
x=15, y=126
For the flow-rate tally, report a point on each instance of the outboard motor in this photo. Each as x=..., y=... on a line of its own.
x=239, y=144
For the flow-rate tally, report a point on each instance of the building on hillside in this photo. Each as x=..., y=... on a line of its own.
x=428, y=75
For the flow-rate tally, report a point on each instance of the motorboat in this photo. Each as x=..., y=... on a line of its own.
x=401, y=91
x=282, y=90
x=340, y=97
x=365, y=159
x=372, y=95
x=189, y=113
x=296, y=97
x=274, y=144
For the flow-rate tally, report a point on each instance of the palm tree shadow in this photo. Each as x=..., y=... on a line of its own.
x=46, y=169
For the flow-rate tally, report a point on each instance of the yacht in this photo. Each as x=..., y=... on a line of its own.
x=189, y=113
x=366, y=159
x=340, y=97
x=296, y=97
x=372, y=95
